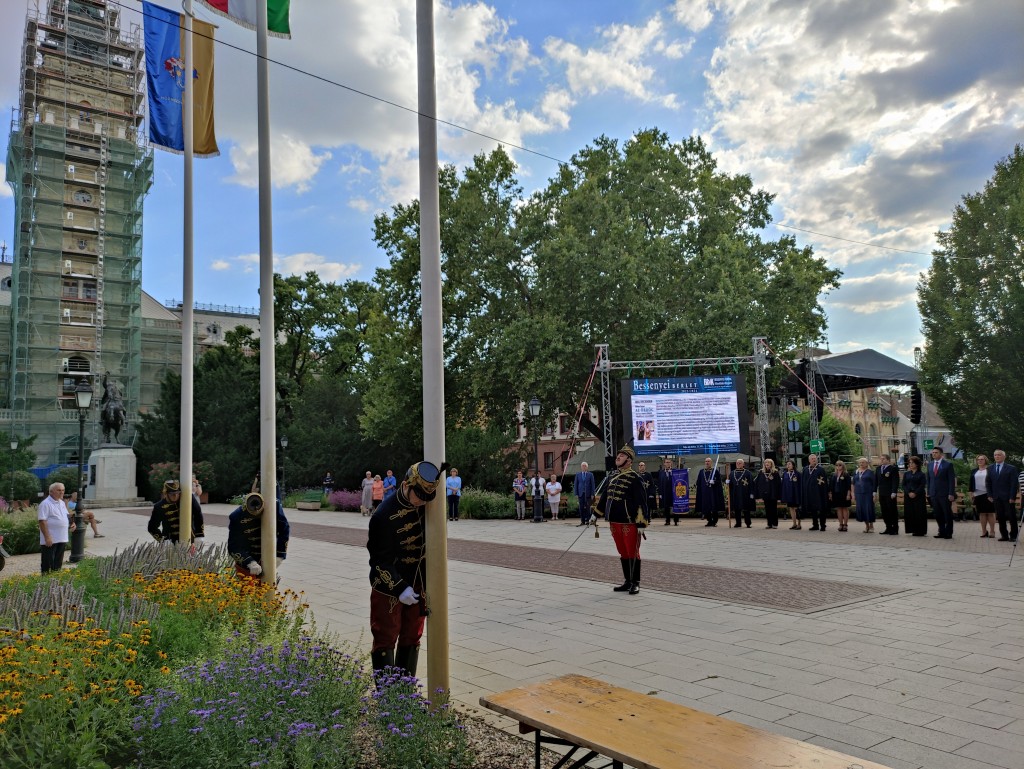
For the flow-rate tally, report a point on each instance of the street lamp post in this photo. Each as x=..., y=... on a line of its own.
x=538, y=505
x=83, y=400
x=284, y=445
x=14, y=447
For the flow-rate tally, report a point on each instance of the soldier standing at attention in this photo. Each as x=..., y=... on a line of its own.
x=624, y=506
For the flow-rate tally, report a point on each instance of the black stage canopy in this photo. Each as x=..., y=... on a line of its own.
x=857, y=370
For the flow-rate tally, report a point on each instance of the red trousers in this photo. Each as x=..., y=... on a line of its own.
x=627, y=539
x=393, y=623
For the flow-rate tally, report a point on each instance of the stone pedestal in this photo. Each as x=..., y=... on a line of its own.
x=112, y=477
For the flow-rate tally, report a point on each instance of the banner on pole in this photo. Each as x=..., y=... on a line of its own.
x=164, y=33
x=680, y=491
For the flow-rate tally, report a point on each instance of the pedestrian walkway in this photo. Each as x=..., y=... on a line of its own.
x=926, y=670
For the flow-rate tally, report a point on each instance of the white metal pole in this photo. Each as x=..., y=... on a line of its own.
x=188, y=297
x=433, y=360
x=268, y=405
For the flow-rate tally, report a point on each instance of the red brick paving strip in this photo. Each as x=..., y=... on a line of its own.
x=752, y=588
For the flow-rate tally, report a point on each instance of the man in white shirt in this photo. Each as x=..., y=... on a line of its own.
x=54, y=520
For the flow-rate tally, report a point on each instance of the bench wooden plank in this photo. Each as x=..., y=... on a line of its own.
x=650, y=733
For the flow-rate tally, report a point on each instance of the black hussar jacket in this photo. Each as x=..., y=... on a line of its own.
x=624, y=499
x=397, y=545
x=165, y=520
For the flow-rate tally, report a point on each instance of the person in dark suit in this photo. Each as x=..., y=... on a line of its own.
x=941, y=493
x=814, y=492
x=741, y=493
x=768, y=488
x=666, y=491
x=583, y=487
x=887, y=480
x=1003, y=490
x=710, y=494
x=791, y=492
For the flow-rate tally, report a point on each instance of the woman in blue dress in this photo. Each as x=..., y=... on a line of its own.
x=864, y=494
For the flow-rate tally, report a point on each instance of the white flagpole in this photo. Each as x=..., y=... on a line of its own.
x=268, y=405
x=433, y=362
x=188, y=298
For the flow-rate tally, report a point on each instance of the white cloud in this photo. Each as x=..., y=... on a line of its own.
x=300, y=264
x=866, y=119
x=220, y=265
x=293, y=164
x=693, y=14
x=5, y=191
x=369, y=45
x=620, y=63
x=879, y=292
x=293, y=264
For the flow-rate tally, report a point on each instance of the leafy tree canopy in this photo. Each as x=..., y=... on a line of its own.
x=972, y=310
x=645, y=246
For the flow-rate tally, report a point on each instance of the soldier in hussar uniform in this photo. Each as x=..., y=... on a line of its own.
x=165, y=520
x=245, y=536
x=623, y=503
x=397, y=544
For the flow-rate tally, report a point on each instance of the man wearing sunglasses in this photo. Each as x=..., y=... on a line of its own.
x=397, y=546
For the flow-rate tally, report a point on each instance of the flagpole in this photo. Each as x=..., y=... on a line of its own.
x=433, y=362
x=188, y=298
x=268, y=406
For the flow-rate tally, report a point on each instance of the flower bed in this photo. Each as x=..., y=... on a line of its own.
x=159, y=655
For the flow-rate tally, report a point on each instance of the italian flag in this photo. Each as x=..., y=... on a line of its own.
x=244, y=12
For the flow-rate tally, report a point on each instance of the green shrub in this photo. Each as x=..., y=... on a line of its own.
x=486, y=505
x=65, y=475
x=26, y=486
x=21, y=532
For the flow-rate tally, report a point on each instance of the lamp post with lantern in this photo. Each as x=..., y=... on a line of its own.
x=83, y=401
x=14, y=447
x=534, y=406
x=284, y=445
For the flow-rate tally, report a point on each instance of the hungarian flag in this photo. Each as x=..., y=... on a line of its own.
x=244, y=12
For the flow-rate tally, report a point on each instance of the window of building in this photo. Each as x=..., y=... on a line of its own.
x=5, y=284
x=70, y=290
x=549, y=460
x=88, y=290
x=82, y=196
x=564, y=424
x=858, y=429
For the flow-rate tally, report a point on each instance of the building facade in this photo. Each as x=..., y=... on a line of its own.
x=80, y=169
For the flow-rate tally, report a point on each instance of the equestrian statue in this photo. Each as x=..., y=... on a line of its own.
x=112, y=413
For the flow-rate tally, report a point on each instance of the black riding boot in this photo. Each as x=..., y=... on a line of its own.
x=625, y=574
x=406, y=658
x=381, y=659
x=634, y=586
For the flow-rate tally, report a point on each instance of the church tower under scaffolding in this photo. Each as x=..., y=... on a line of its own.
x=79, y=168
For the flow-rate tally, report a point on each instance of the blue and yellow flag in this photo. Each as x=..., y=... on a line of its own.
x=165, y=81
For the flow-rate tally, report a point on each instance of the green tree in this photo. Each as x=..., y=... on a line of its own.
x=972, y=309
x=21, y=458
x=644, y=246
x=840, y=439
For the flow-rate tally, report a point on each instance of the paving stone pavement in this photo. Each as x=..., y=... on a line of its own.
x=929, y=675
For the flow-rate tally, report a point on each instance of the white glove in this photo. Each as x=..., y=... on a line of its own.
x=593, y=519
x=279, y=562
x=198, y=541
x=408, y=597
x=255, y=569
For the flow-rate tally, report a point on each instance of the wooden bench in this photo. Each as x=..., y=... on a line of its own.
x=645, y=732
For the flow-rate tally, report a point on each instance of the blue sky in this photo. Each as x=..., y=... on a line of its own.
x=867, y=118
